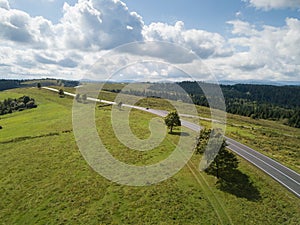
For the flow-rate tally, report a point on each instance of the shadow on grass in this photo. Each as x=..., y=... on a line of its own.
x=178, y=133
x=239, y=184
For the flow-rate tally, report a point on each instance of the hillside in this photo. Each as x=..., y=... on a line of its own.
x=280, y=103
x=45, y=180
x=10, y=84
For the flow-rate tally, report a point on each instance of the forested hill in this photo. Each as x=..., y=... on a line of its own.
x=283, y=96
x=256, y=101
x=10, y=84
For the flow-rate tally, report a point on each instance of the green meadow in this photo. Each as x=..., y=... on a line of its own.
x=45, y=179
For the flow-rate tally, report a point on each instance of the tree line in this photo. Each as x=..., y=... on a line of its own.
x=11, y=105
x=255, y=101
x=10, y=84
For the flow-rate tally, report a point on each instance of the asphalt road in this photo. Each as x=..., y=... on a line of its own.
x=285, y=176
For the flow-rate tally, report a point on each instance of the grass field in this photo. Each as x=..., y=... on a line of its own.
x=45, y=180
x=271, y=138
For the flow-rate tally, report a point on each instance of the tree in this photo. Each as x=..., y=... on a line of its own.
x=202, y=141
x=26, y=99
x=61, y=93
x=84, y=98
x=225, y=161
x=172, y=120
x=39, y=85
x=77, y=97
x=31, y=104
x=120, y=105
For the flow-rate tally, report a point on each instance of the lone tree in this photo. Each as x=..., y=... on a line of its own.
x=84, y=98
x=225, y=161
x=120, y=105
x=172, y=120
x=78, y=98
x=61, y=93
x=39, y=85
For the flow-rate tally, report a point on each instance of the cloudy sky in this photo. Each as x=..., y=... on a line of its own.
x=236, y=39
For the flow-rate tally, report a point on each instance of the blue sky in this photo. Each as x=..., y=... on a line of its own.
x=238, y=39
x=210, y=15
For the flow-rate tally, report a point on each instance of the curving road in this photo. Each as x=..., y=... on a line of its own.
x=285, y=176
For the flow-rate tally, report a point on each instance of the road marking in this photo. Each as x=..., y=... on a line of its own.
x=274, y=177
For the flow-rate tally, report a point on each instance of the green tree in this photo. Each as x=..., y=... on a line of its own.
x=172, y=120
x=202, y=140
x=120, y=105
x=61, y=93
x=26, y=99
x=225, y=161
x=39, y=85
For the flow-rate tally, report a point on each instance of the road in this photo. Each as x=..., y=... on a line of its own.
x=285, y=176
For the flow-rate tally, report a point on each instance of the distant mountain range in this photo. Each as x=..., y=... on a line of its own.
x=262, y=82
x=224, y=82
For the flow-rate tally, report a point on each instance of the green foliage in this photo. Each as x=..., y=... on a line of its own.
x=294, y=121
x=11, y=105
x=203, y=140
x=255, y=101
x=9, y=84
x=225, y=161
x=172, y=120
x=61, y=93
x=39, y=85
x=120, y=105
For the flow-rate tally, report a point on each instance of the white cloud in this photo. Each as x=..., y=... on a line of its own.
x=203, y=43
x=4, y=4
x=242, y=28
x=97, y=25
x=269, y=53
x=86, y=28
x=33, y=46
x=239, y=14
x=274, y=4
x=19, y=28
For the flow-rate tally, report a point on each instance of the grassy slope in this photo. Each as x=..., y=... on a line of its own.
x=44, y=178
x=271, y=138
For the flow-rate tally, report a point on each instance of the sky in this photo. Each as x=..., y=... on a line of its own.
x=236, y=40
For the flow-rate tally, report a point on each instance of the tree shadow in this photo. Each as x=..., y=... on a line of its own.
x=239, y=184
x=178, y=133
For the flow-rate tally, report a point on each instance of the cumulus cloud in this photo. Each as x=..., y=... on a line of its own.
x=4, y=4
x=86, y=28
x=88, y=25
x=63, y=60
x=34, y=46
x=268, y=52
x=274, y=4
x=203, y=43
x=98, y=25
x=19, y=27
